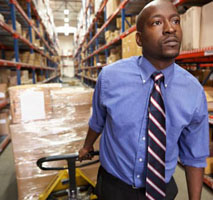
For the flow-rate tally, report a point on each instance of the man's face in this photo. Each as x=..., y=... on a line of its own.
x=161, y=32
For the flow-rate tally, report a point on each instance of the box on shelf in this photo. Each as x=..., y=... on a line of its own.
x=111, y=7
x=63, y=133
x=24, y=76
x=18, y=26
x=209, y=160
x=115, y=54
x=110, y=35
x=130, y=47
x=1, y=17
x=97, y=5
x=4, y=122
x=27, y=57
x=191, y=28
x=4, y=76
x=9, y=55
x=3, y=91
x=209, y=96
x=131, y=21
x=101, y=60
x=207, y=26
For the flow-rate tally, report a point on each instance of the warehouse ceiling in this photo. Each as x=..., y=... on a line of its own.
x=58, y=7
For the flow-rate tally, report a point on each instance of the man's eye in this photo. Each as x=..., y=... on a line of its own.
x=176, y=21
x=156, y=23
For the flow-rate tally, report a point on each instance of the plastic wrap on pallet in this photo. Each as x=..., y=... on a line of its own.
x=63, y=133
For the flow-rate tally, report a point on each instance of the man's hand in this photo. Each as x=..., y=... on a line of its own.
x=84, y=153
x=88, y=145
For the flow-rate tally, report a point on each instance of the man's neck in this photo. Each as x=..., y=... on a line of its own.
x=160, y=64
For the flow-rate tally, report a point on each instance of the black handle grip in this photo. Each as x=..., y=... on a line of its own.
x=68, y=157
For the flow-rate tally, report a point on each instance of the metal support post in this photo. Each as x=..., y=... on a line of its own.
x=16, y=47
x=106, y=50
x=123, y=20
x=41, y=73
x=96, y=41
x=34, y=79
x=91, y=51
x=3, y=53
x=46, y=74
x=30, y=27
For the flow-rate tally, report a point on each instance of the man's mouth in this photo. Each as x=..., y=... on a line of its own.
x=171, y=41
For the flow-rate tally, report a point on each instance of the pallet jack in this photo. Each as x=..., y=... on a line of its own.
x=70, y=183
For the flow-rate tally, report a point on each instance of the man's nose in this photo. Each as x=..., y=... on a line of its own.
x=168, y=27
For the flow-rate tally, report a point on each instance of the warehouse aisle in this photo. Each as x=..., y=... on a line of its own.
x=8, y=190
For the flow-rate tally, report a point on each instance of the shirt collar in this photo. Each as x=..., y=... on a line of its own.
x=147, y=69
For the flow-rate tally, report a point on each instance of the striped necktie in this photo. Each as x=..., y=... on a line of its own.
x=155, y=180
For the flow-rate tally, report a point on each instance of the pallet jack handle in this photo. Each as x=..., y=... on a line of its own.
x=71, y=166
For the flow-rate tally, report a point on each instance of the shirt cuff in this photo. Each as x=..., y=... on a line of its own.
x=201, y=163
x=95, y=127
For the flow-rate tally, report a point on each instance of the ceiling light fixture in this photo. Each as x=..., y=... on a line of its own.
x=66, y=11
x=66, y=19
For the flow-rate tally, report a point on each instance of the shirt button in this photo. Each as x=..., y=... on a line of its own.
x=140, y=159
x=144, y=81
x=138, y=176
x=165, y=85
x=143, y=138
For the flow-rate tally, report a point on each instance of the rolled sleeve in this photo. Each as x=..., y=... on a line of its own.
x=97, y=120
x=194, y=140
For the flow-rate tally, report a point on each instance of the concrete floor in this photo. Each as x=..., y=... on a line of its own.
x=8, y=188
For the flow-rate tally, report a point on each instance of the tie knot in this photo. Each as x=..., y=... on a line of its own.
x=158, y=76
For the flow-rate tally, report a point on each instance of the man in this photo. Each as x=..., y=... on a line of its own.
x=122, y=113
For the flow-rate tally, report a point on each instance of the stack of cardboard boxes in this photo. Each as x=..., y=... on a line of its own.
x=115, y=54
x=47, y=120
x=130, y=47
x=5, y=112
x=111, y=7
x=197, y=27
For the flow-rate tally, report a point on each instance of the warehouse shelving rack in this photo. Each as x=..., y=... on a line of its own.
x=11, y=40
x=200, y=58
x=12, y=10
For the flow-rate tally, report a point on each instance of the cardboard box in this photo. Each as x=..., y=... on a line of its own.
x=4, y=76
x=130, y=47
x=209, y=160
x=131, y=21
x=31, y=102
x=1, y=17
x=3, y=91
x=97, y=5
x=191, y=20
x=111, y=7
x=209, y=96
x=4, y=122
x=18, y=26
x=207, y=26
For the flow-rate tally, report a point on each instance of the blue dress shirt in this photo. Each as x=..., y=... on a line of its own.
x=120, y=105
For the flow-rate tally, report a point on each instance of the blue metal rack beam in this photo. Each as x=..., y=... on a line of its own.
x=16, y=47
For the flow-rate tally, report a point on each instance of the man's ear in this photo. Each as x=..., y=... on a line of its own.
x=138, y=38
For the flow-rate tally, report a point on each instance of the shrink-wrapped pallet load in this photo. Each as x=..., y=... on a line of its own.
x=59, y=128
